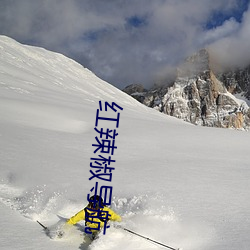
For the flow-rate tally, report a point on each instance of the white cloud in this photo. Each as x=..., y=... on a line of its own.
x=228, y=28
x=233, y=49
x=97, y=32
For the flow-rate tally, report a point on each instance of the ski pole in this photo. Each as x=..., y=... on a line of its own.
x=45, y=228
x=149, y=239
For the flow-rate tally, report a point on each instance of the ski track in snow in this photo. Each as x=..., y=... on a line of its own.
x=143, y=214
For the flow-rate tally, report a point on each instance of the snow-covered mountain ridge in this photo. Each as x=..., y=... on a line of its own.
x=39, y=68
x=182, y=185
x=202, y=97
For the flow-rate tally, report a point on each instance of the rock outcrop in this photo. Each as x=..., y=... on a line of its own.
x=199, y=96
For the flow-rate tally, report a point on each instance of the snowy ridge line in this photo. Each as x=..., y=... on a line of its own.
x=28, y=70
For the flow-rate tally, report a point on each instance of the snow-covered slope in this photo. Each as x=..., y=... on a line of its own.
x=182, y=185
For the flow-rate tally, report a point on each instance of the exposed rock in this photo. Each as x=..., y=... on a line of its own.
x=237, y=81
x=198, y=96
x=137, y=91
x=133, y=88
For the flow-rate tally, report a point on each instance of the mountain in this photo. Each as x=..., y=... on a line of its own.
x=182, y=185
x=237, y=81
x=202, y=97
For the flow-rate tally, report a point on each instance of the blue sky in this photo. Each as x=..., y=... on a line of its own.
x=131, y=41
x=218, y=17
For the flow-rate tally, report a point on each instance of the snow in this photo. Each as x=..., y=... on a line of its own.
x=242, y=99
x=182, y=185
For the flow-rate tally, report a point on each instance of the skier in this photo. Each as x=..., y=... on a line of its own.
x=96, y=216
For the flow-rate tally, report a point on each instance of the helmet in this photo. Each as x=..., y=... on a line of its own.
x=95, y=201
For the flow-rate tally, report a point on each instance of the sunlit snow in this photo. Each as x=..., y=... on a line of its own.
x=179, y=184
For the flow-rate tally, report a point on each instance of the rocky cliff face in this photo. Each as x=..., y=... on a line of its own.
x=237, y=81
x=201, y=97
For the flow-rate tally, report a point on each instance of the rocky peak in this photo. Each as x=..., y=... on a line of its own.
x=237, y=81
x=197, y=64
x=137, y=91
x=201, y=97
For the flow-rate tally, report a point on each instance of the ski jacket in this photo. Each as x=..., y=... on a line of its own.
x=93, y=221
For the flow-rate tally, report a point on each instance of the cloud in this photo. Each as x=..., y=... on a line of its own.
x=228, y=28
x=232, y=50
x=121, y=41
